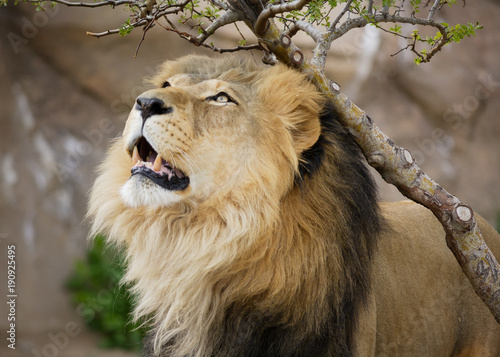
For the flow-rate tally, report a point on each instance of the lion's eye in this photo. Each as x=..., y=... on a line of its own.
x=222, y=98
x=165, y=84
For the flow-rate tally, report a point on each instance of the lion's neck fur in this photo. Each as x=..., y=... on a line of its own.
x=193, y=267
x=188, y=265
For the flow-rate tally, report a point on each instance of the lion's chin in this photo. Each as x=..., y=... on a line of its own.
x=139, y=191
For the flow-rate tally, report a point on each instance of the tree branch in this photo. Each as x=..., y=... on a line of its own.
x=381, y=18
x=308, y=28
x=226, y=18
x=112, y=3
x=260, y=24
x=221, y=5
x=397, y=166
x=146, y=10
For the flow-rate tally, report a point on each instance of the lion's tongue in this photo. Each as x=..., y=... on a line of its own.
x=156, y=163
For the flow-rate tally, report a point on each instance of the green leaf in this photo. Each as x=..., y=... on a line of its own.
x=126, y=28
x=459, y=32
x=396, y=29
x=416, y=5
x=416, y=35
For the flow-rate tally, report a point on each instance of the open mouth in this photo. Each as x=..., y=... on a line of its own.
x=147, y=162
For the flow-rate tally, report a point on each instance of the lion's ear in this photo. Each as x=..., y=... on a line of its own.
x=306, y=132
x=290, y=96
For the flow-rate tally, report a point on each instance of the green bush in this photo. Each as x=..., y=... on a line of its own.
x=101, y=300
x=498, y=222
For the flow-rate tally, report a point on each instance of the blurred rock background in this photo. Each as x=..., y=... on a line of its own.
x=65, y=95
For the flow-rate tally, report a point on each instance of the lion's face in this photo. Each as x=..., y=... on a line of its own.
x=196, y=137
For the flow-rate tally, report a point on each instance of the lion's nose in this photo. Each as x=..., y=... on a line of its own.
x=151, y=106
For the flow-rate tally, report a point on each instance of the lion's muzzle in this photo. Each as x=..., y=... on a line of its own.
x=151, y=106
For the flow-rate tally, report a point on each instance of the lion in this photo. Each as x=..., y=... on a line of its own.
x=252, y=227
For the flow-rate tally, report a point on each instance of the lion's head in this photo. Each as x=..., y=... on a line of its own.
x=223, y=189
x=209, y=130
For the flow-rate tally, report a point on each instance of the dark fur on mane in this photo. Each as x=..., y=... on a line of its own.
x=364, y=217
x=248, y=335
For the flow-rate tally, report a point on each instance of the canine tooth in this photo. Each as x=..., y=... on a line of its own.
x=135, y=156
x=157, y=163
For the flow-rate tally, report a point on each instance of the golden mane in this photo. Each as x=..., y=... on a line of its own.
x=227, y=275
x=250, y=222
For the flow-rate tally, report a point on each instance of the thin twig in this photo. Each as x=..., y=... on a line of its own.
x=115, y=31
x=171, y=9
x=433, y=9
x=381, y=18
x=194, y=40
x=239, y=31
x=391, y=32
x=182, y=34
x=370, y=7
x=342, y=13
x=146, y=29
x=234, y=49
x=385, y=8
